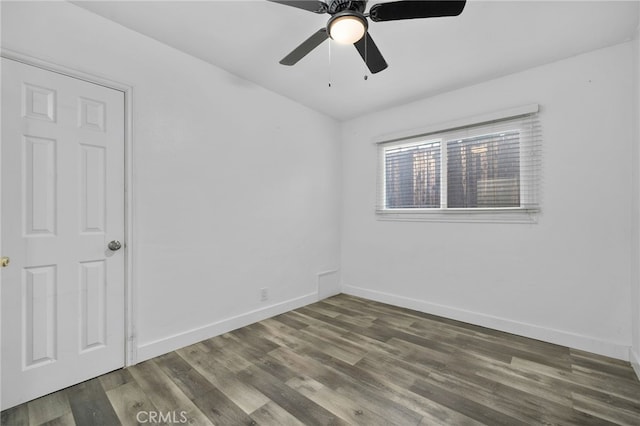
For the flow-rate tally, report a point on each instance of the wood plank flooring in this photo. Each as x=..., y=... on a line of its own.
x=346, y=360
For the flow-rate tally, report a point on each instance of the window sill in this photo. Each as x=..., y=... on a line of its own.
x=503, y=215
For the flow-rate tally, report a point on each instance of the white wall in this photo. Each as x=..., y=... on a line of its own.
x=236, y=188
x=566, y=279
x=635, y=294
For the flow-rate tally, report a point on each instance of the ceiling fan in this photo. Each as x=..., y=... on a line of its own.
x=348, y=23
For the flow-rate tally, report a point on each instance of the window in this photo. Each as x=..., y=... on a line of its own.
x=413, y=175
x=490, y=168
x=484, y=171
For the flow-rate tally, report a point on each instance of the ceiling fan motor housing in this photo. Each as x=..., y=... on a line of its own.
x=336, y=6
x=348, y=15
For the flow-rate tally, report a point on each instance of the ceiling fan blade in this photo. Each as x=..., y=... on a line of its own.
x=307, y=46
x=314, y=6
x=410, y=9
x=370, y=54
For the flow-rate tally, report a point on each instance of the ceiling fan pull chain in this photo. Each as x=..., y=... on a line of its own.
x=329, y=69
x=366, y=55
x=366, y=49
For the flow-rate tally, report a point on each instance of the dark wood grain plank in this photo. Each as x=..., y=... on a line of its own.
x=221, y=410
x=64, y=420
x=301, y=407
x=129, y=402
x=115, y=378
x=470, y=408
x=620, y=388
x=48, y=407
x=598, y=369
x=603, y=410
x=165, y=394
x=90, y=405
x=16, y=416
x=290, y=321
x=209, y=399
x=399, y=380
x=346, y=380
x=272, y=414
x=246, y=397
x=343, y=407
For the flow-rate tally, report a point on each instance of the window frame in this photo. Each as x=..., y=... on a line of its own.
x=504, y=121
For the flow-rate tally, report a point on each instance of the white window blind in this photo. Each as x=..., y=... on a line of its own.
x=491, y=167
x=412, y=175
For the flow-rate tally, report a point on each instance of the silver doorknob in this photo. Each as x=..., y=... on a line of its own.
x=114, y=245
x=4, y=261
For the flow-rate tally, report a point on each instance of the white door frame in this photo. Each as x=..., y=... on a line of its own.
x=130, y=343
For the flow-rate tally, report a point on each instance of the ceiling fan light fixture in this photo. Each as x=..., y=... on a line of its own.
x=347, y=27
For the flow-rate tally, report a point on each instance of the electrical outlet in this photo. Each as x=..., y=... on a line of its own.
x=264, y=294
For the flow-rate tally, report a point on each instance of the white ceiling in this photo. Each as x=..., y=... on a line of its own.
x=425, y=56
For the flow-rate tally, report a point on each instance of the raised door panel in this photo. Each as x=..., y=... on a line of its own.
x=92, y=305
x=39, y=323
x=93, y=193
x=39, y=102
x=39, y=186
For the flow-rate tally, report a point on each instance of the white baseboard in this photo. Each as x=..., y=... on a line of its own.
x=559, y=337
x=586, y=343
x=634, y=358
x=180, y=340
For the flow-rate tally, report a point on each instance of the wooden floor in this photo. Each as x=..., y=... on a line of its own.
x=347, y=360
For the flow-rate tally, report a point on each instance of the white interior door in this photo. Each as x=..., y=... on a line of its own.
x=62, y=203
